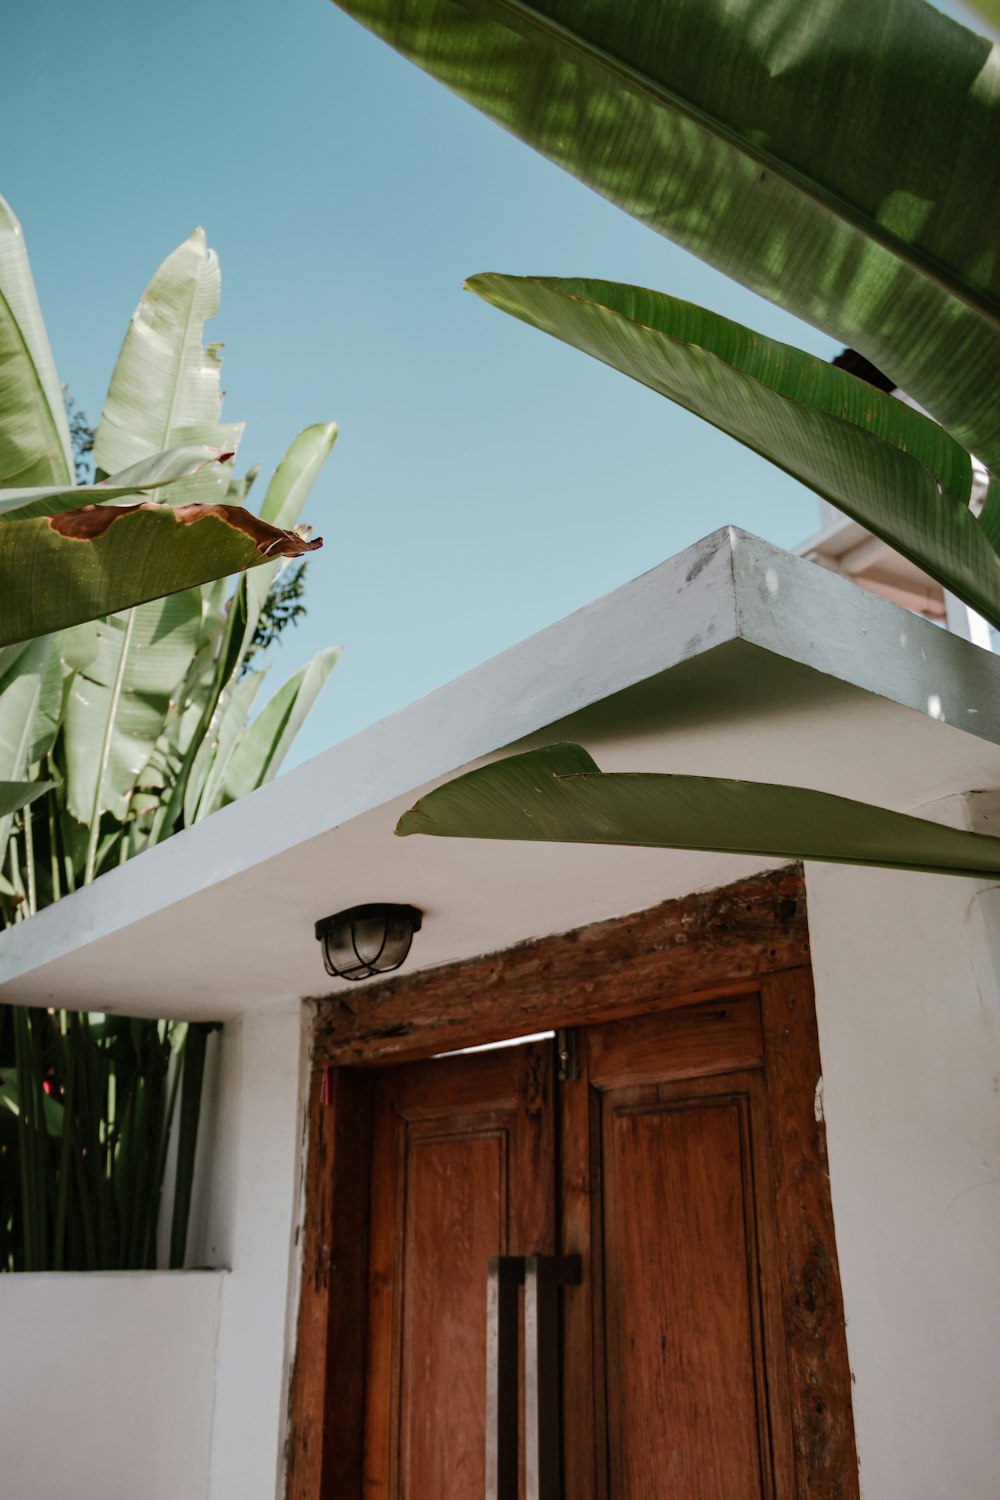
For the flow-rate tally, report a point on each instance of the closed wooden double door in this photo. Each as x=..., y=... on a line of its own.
x=673, y=1158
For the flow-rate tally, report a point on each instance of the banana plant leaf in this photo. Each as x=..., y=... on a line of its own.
x=288, y=491
x=882, y=463
x=34, y=434
x=988, y=9
x=164, y=391
x=831, y=158
x=21, y=692
x=263, y=746
x=125, y=675
x=150, y=475
x=206, y=784
x=65, y=569
x=558, y=794
x=17, y=794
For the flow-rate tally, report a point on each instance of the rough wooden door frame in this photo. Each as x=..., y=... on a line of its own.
x=748, y=937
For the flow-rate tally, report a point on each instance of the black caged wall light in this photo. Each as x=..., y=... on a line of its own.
x=367, y=940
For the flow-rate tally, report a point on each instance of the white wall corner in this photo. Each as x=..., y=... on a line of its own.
x=907, y=971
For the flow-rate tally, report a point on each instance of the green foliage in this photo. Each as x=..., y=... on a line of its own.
x=558, y=794
x=129, y=542
x=284, y=605
x=114, y=734
x=885, y=465
x=86, y=1108
x=831, y=159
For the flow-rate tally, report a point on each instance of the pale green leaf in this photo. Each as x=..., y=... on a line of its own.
x=152, y=474
x=559, y=795
x=164, y=392
x=20, y=696
x=206, y=784
x=34, y=434
x=263, y=746
x=159, y=642
x=287, y=493
x=834, y=158
x=882, y=463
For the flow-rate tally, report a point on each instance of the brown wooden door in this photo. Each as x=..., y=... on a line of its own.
x=699, y=1358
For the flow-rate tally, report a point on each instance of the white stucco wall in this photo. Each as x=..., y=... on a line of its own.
x=907, y=971
x=107, y=1384
x=245, y=1220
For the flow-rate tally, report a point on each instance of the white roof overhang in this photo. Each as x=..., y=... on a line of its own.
x=733, y=658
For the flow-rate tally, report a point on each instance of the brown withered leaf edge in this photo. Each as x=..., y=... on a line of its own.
x=91, y=521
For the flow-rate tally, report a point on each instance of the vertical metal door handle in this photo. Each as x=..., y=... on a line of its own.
x=504, y=1276
x=544, y=1275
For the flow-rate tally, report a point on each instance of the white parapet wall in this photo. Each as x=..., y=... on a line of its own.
x=907, y=971
x=107, y=1384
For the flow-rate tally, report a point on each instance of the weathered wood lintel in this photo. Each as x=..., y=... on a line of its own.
x=713, y=942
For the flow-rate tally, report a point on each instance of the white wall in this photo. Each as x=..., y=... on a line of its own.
x=245, y=1219
x=907, y=971
x=107, y=1384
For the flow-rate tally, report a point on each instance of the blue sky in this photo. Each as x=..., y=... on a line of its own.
x=487, y=480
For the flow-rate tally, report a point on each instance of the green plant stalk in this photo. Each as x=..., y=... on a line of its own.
x=53, y=847
x=29, y=862
x=102, y=770
x=24, y=1143
x=68, y=1057
x=195, y=1046
x=86, y=1201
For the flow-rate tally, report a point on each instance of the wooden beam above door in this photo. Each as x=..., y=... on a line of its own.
x=712, y=942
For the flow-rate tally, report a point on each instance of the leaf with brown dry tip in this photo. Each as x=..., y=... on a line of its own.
x=559, y=795
x=75, y=566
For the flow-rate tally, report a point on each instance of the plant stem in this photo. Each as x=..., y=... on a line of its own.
x=53, y=847
x=29, y=860
x=102, y=769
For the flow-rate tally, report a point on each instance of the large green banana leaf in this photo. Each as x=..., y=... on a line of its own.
x=838, y=159
x=559, y=794
x=152, y=474
x=56, y=576
x=882, y=463
x=34, y=434
x=164, y=391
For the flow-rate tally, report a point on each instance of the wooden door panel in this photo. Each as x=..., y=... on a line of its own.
x=719, y=1036
x=684, y=1377
x=462, y=1169
x=667, y=1195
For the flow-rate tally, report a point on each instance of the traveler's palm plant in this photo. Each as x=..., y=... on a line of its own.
x=116, y=732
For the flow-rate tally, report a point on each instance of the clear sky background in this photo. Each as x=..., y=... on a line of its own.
x=487, y=479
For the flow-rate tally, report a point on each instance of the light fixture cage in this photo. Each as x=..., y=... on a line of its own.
x=367, y=940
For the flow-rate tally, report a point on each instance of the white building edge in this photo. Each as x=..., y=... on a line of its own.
x=733, y=658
